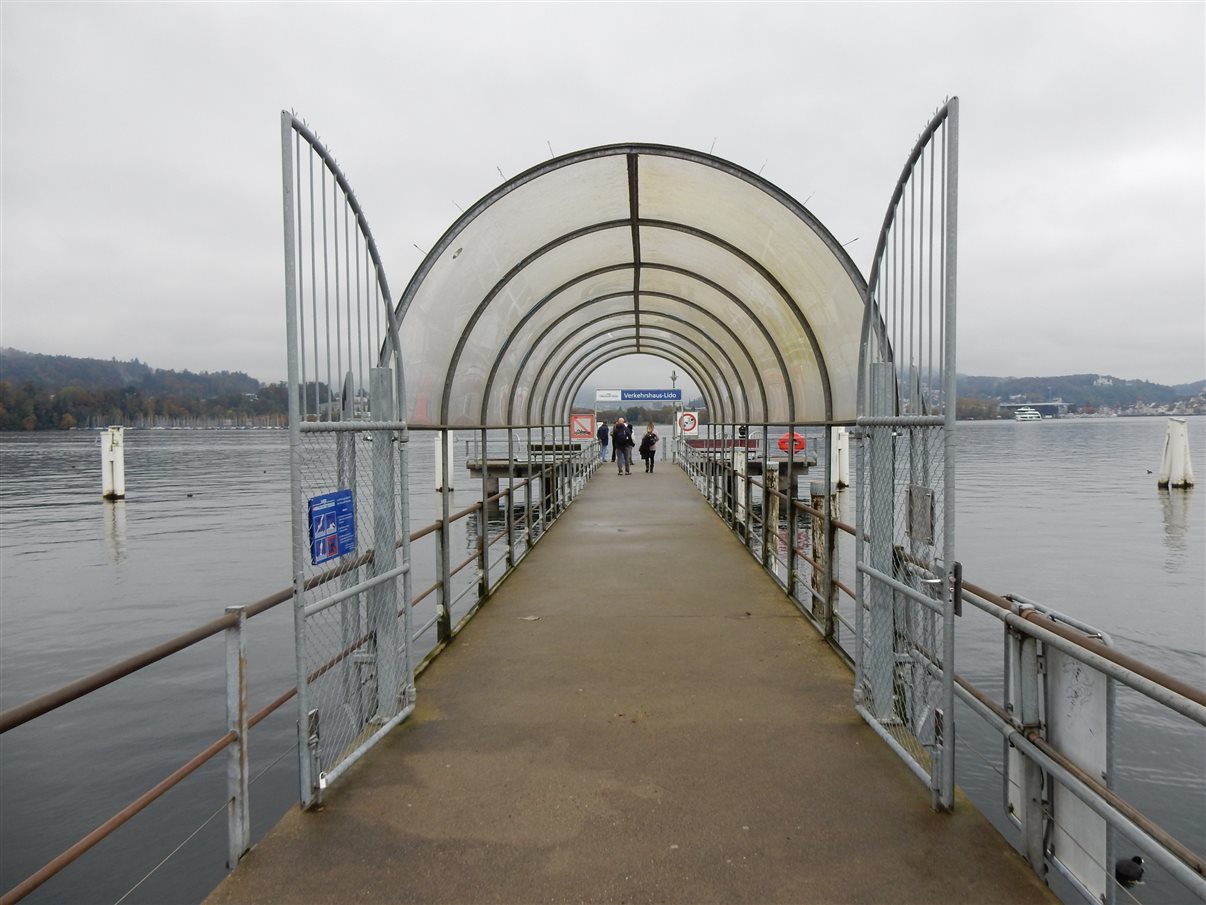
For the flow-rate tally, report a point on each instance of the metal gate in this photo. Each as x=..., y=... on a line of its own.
x=908, y=580
x=348, y=464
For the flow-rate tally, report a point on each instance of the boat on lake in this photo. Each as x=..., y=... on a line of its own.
x=1026, y=413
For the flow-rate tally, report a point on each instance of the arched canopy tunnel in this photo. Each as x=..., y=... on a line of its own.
x=627, y=249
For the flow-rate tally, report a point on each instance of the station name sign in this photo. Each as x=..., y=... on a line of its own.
x=638, y=396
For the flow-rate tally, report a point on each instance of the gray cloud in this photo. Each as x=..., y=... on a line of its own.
x=141, y=183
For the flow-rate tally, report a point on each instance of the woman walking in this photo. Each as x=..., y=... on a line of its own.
x=648, y=448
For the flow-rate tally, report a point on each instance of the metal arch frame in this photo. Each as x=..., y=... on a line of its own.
x=660, y=343
x=566, y=357
x=697, y=356
x=291, y=127
x=624, y=149
x=572, y=388
x=941, y=778
x=732, y=297
x=617, y=348
x=734, y=371
x=674, y=356
x=872, y=321
x=560, y=319
x=757, y=322
x=289, y=122
x=633, y=151
x=777, y=289
x=567, y=361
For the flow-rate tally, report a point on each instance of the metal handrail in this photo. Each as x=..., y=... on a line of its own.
x=45, y=703
x=1186, y=866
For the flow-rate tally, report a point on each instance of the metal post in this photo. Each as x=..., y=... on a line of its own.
x=444, y=547
x=483, y=536
x=1033, y=821
x=238, y=802
x=770, y=549
x=510, y=517
x=793, y=514
x=527, y=495
x=306, y=780
x=383, y=598
x=349, y=611
x=765, y=496
x=881, y=527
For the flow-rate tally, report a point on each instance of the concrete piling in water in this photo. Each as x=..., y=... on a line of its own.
x=1176, y=469
x=113, y=464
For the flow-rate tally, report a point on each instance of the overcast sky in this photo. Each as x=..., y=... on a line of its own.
x=141, y=153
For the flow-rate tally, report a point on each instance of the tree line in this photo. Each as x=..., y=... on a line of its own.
x=25, y=407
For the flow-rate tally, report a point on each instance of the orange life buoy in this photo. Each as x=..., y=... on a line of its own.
x=794, y=439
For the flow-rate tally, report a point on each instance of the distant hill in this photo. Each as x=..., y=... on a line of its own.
x=1081, y=391
x=47, y=392
x=53, y=372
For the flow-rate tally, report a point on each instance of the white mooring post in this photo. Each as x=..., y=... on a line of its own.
x=1176, y=470
x=113, y=464
x=839, y=458
x=441, y=450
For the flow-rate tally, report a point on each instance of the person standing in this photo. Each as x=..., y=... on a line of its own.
x=621, y=441
x=648, y=447
x=602, y=434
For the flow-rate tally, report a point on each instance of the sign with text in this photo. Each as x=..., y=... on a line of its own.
x=638, y=396
x=332, y=526
x=582, y=427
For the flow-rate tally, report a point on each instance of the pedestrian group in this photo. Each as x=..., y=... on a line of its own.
x=622, y=445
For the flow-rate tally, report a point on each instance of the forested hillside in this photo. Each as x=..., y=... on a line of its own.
x=42, y=392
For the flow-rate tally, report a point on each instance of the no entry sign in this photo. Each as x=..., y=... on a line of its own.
x=582, y=427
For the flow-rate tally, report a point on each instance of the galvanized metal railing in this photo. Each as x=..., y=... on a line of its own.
x=560, y=473
x=1054, y=787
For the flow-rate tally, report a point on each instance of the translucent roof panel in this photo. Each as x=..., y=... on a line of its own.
x=632, y=248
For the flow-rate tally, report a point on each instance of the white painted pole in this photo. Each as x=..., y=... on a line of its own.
x=1176, y=469
x=446, y=450
x=113, y=464
x=839, y=458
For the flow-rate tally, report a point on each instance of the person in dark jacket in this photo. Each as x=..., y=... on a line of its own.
x=648, y=447
x=603, y=435
x=621, y=440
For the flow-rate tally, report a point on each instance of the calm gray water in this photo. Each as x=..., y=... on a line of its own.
x=1060, y=511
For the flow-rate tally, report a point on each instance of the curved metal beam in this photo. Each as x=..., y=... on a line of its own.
x=675, y=357
x=626, y=345
x=729, y=378
x=721, y=390
x=531, y=312
x=633, y=151
x=535, y=344
x=707, y=372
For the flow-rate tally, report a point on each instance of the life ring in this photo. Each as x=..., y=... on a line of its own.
x=793, y=439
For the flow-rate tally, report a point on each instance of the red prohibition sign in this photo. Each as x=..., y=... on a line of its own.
x=687, y=422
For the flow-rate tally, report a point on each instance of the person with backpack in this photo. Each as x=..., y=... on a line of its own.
x=621, y=441
x=602, y=434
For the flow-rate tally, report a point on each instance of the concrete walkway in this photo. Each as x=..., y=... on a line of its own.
x=638, y=715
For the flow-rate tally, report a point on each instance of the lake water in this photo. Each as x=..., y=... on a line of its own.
x=1064, y=512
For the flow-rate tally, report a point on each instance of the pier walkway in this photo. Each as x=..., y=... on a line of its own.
x=638, y=715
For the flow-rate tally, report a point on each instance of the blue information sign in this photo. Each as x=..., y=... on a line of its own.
x=332, y=526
